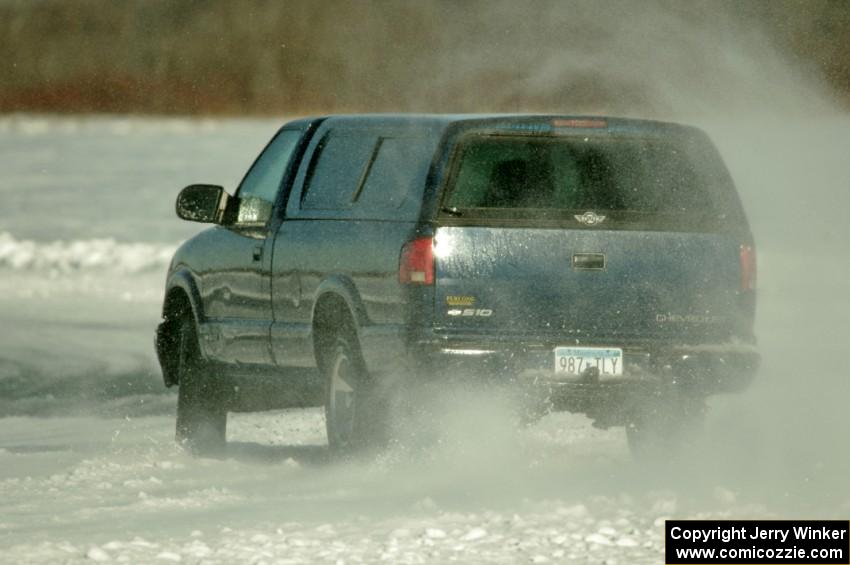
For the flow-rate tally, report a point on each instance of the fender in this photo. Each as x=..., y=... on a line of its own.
x=344, y=288
x=165, y=340
x=184, y=280
x=379, y=344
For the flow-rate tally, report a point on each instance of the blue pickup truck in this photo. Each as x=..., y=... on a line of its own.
x=597, y=265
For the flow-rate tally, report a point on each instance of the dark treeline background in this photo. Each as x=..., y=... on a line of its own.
x=304, y=56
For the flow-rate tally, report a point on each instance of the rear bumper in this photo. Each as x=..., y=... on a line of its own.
x=651, y=373
x=703, y=369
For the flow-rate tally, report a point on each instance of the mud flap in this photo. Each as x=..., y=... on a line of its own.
x=164, y=342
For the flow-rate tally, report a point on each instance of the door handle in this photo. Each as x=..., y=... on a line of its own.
x=589, y=261
x=258, y=252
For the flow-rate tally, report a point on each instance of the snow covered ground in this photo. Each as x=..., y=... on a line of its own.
x=89, y=472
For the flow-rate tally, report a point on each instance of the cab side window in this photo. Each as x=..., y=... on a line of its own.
x=259, y=188
x=337, y=170
x=396, y=178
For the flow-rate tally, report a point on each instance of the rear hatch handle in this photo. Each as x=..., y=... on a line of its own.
x=588, y=261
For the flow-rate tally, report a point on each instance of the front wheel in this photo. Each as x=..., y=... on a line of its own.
x=201, y=415
x=354, y=413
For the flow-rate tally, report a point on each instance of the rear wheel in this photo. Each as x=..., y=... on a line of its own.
x=665, y=427
x=201, y=415
x=354, y=413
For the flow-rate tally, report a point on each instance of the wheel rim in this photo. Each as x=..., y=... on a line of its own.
x=341, y=408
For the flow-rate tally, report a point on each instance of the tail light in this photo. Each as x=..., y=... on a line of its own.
x=416, y=264
x=748, y=267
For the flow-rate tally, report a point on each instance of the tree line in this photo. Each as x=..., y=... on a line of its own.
x=305, y=56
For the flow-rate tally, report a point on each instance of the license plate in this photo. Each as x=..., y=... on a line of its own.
x=576, y=361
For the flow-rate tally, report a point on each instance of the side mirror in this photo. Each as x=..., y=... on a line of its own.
x=202, y=203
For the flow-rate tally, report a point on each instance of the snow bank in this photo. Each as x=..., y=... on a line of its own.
x=71, y=256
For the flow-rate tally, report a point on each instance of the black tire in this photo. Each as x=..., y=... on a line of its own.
x=355, y=415
x=201, y=414
x=666, y=427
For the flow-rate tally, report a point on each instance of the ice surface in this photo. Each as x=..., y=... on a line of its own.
x=78, y=179
x=87, y=229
